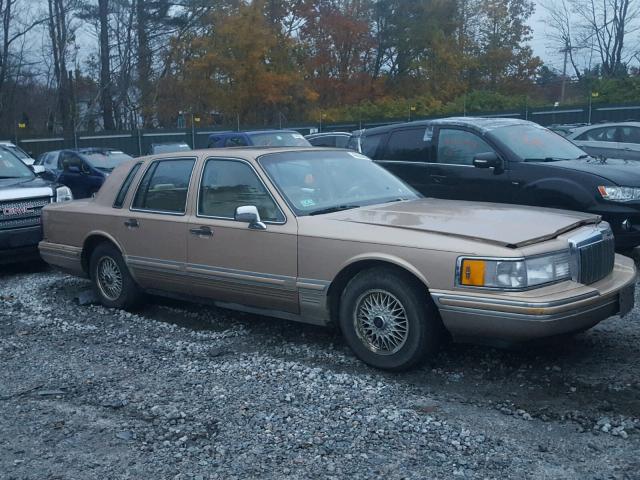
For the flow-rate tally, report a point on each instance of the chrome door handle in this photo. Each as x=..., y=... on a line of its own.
x=132, y=223
x=201, y=232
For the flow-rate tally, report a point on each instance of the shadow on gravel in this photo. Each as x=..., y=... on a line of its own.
x=34, y=266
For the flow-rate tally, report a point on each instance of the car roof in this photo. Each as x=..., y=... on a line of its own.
x=243, y=153
x=253, y=132
x=477, y=123
x=327, y=134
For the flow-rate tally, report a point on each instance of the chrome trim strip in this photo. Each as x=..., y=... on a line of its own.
x=532, y=317
x=10, y=194
x=439, y=297
x=233, y=159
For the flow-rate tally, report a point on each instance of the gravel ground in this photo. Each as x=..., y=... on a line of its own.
x=181, y=391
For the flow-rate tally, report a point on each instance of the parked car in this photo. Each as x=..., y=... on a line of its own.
x=509, y=161
x=322, y=236
x=259, y=138
x=609, y=140
x=84, y=170
x=169, y=147
x=17, y=151
x=329, y=139
x=22, y=196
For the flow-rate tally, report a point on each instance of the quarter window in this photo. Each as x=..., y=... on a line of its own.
x=409, y=145
x=629, y=134
x=164, y=186
x=458, y=147
x=229, y=184
x=125, y=186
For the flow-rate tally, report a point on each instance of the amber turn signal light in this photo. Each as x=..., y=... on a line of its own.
x=472, y=273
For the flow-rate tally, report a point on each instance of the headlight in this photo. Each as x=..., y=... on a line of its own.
x=514, y=274
x=619, y=194
x=63, y=194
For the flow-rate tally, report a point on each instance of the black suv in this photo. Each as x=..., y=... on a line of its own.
x=508, y=161
x=23, y=195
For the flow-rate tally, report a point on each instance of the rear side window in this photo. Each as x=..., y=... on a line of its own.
x=370, y=144
x=603, y=134
x=164, y=186
x=629, y=134
x=409, y=145
x=235, y=142
x=125, y=186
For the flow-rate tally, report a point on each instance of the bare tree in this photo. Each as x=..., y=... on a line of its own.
x=61, y=35
x=562, y=36
x=106, y=99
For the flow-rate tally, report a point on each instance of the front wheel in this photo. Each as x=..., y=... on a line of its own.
x=111, y=279
x=388, y=320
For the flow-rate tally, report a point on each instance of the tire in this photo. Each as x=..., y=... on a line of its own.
x=113, y=285
x=367, y=306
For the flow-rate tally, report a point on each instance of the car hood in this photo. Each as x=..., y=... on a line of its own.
x=505, y=225
x=618, y=171
x=17, y=188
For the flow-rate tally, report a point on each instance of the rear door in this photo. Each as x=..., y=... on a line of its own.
x=153, y=231
x=229, y=261
x=408, y=155
x=453, y=175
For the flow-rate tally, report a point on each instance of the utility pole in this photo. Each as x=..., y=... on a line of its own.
x=565, y=50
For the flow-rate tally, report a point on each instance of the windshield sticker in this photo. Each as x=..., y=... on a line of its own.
x=297, y=135
x=358, y=155
x=307, y=202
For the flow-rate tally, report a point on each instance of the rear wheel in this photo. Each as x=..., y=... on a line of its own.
x=111, y=279
x=388, y=320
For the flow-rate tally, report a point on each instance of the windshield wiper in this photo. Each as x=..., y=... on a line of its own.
x=337, y=208
x=581, y=157
x=546, y=159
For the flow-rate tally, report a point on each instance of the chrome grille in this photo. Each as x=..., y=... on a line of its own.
x=593, y=255
x=22, y=213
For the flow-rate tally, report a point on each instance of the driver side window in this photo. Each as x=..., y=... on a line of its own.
x=68, y=159
x=459, y=147
x=229, y=184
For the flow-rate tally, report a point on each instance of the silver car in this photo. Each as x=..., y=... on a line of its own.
x=610, y=140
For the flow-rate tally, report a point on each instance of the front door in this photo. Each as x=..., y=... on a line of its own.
x=227, y=260
x=153, y=231
x=453, y=175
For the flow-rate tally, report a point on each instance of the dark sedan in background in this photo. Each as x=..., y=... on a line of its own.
x=258, y=138
x=509, y=161
x=84, y=170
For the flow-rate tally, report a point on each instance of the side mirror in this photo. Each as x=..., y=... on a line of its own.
x=37, y=169
x=249, y=214
x=487, y=160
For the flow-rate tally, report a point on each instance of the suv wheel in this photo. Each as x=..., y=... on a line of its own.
x=388, y=321
x=111, y=279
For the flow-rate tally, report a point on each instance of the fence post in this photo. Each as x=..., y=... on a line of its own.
x=139, y=142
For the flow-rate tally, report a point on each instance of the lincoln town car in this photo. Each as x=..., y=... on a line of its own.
x=326, y=236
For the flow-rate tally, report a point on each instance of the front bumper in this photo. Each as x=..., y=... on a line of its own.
x=546, y=312
x=20, y=244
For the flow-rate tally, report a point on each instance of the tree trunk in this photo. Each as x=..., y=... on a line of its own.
x=144, y=66
x=106, y=99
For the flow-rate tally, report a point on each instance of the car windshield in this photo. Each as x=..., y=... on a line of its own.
x=171, y=147
x=279, y=139
x=107, y=160
x=322, y=182
x=535, y=143
x=11, y=166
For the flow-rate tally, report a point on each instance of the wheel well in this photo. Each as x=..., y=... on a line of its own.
x=342, y=279
x=89, y=246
